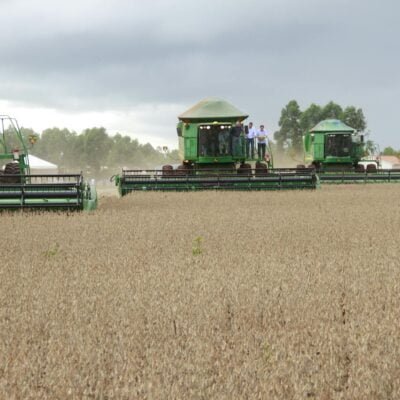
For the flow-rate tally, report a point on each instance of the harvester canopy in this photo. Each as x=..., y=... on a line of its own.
x=212, y=109
x=332, y=125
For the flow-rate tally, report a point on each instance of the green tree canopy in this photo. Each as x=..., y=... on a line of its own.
x=331, y=111
x=355, y=118
x=56, y=145
x=95, y=152
x=290, y=131
x=96, y=146
x=389, y=151
x=310, y=117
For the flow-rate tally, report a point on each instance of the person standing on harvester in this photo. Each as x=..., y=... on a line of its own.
x=251, y=134
x=261, y=142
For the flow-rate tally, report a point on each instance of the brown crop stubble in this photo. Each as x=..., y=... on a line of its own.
x=289, y=295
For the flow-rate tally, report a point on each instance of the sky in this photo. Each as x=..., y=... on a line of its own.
x=133, y=65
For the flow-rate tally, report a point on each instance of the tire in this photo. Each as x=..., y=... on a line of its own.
x=316, y=165
x=167, y=170
x=244, y=169
x=183, y=170
x=360, y=168
x=371, y=168
x=261, y=169
x=12, y=169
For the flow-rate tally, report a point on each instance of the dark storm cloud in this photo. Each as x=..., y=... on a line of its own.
x=258, y=54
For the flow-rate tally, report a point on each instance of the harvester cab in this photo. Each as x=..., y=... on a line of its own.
x=333, y=145
x=213, y=153
x=19, y=189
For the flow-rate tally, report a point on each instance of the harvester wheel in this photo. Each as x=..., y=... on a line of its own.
x=360, y=168
x=261, y=169
x=12, y=169
x=316, y=165
x=244, y=169
x=371, y=168
x=183, y=169
x=167, y=170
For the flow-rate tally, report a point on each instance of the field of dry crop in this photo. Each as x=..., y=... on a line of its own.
x=207, y=295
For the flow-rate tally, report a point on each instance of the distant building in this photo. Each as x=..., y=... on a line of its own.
x=382, y=162
x=389, y=162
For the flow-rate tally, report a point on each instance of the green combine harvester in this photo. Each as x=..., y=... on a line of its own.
x=214, y=158
x=336, y=152
x=21, y=190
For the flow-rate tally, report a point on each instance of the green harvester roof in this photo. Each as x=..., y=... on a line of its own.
x=332, y=125
x=212, y=109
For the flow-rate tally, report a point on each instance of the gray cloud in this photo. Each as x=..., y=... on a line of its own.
x=258, y=54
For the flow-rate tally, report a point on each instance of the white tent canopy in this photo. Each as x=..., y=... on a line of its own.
x=37, y=164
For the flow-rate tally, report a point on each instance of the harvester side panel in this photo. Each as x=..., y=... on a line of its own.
x=318, y=147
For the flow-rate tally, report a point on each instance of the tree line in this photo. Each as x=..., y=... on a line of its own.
x=94, y=151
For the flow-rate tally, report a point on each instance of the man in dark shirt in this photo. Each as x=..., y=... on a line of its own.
x=236, y=133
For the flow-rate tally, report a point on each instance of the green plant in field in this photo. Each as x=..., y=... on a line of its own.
x=52, y=251
x=197, y=250
x=266, y=349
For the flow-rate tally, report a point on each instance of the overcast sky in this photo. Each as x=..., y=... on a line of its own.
x=133, y=65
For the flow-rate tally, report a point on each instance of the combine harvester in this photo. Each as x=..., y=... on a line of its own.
x=214, y=158
x=336, y=152
x=21, y=190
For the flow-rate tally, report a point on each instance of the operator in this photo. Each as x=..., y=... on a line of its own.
x=261, y=136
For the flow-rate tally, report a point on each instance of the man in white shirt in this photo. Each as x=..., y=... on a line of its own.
x=261, y=142
x=250, y=135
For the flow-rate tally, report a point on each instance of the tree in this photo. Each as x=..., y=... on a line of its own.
x=173, y=156
x=389, y=151
x=290, y=131
x=11, y=138
x=310, y=117
x=354, y=118
x=96, y=146
x=123, y=151
x=370, y=148
x=331, y=111
x=56, y=145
